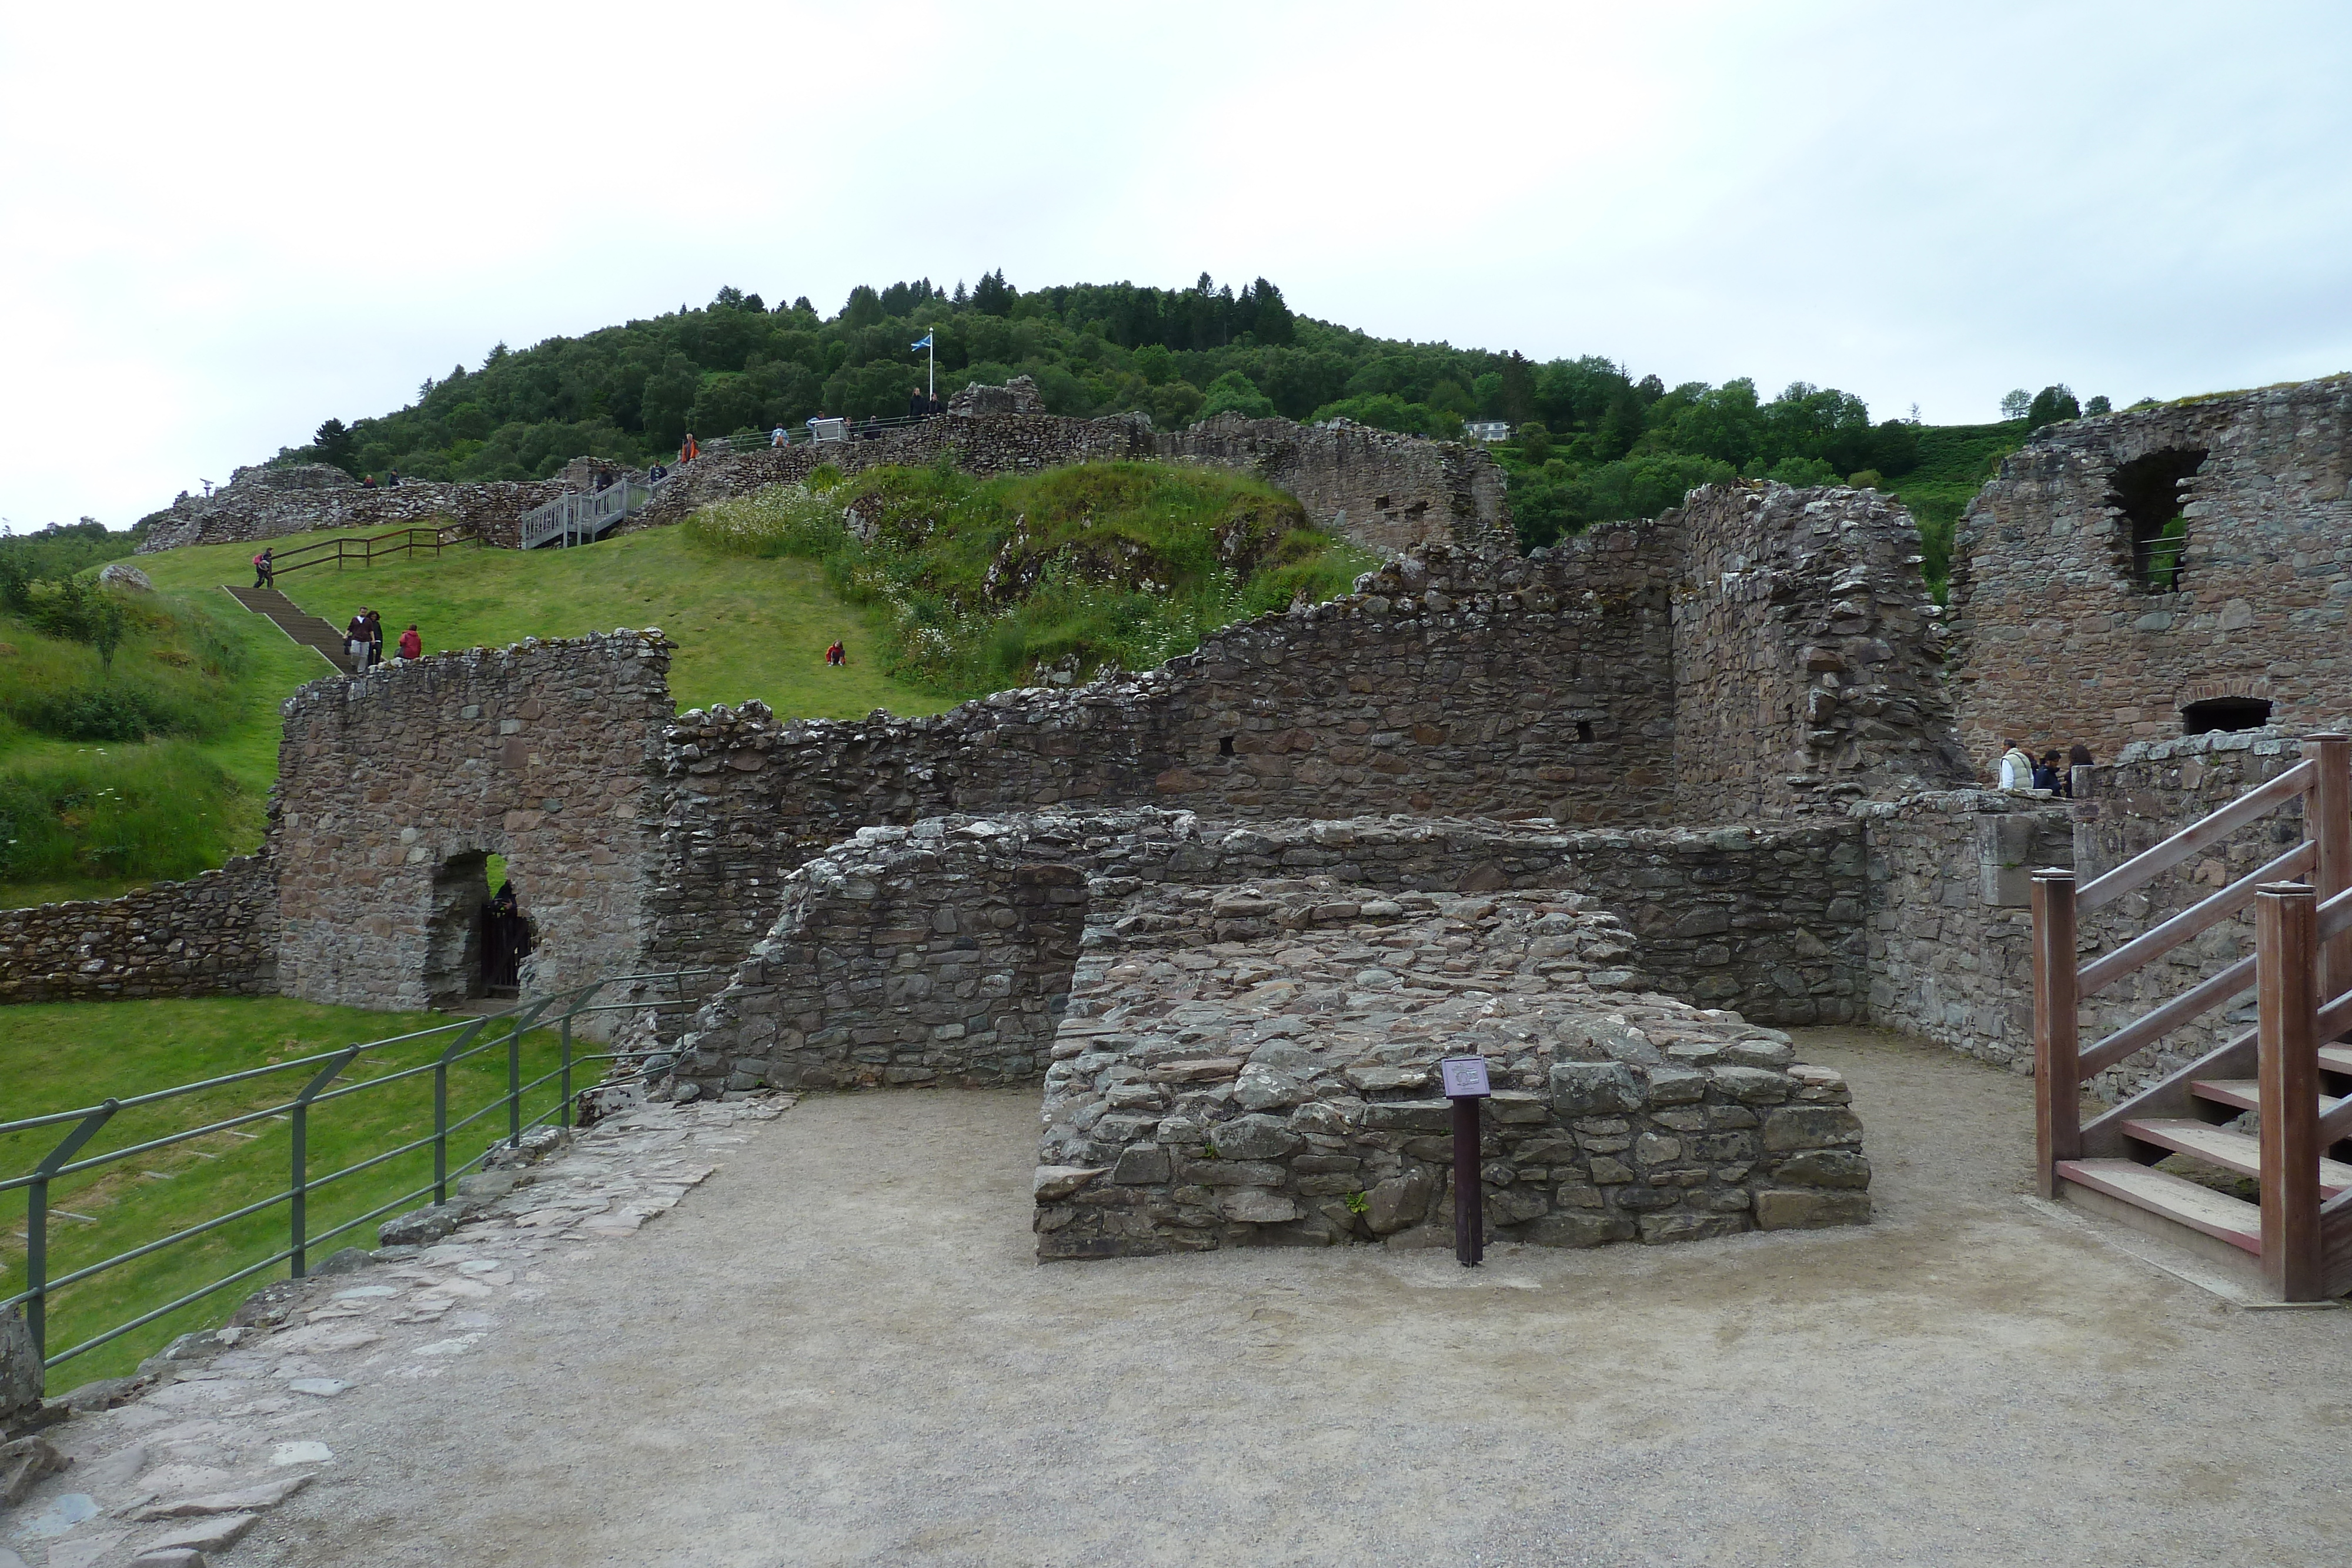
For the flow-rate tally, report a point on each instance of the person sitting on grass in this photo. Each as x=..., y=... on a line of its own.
x=411, y=646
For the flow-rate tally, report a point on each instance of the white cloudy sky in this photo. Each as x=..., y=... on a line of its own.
x=220, y=224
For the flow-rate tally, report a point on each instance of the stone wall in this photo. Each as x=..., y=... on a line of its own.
x=1765, y=921
x=1253, y=1065
x=1808, y=657
x=2058, y=635
x=1387, y=492
x=213, y=936
x=393, y=786
x=260, y=503
x=1950, y=952
x=1468, y=685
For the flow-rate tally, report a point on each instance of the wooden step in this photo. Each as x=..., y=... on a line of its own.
x=2335, y=1059
x=2182, y=1201
x=2220, y=1146
x=298, y=624
x=2245, y=1093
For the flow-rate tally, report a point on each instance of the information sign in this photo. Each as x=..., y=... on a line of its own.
x=1464, y=1076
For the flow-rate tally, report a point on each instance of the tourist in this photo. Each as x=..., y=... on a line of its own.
x=779, y=436
x=836, y=656
x=657, y=474
x=411, y=646
x=367, y=481
x=2045, y=772
x=688, y=451
x=392, y=479
x=917, y=404
x=936, y=408
x=265, y=568
x=2017, y=768
x=355, y=639
x=375, y=639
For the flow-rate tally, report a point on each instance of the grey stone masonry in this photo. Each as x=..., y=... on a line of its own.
x=260, y=503
x=1808, y=657
x=2064, y=632
x=393, y=787
x=907, y=954
x=215, y=935
x=1254, y=1064
x=1384, y=491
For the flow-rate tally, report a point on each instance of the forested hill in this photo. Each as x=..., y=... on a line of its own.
x=1596, y=442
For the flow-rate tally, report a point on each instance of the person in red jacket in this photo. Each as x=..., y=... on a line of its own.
x=411, y=646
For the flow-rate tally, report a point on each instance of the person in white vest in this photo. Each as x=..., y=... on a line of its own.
x=2016, y=767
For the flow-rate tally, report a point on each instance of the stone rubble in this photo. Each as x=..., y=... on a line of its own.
x=1256, y=1065
x=224, y=1425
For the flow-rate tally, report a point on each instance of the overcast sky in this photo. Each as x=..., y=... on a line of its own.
x=221, y=224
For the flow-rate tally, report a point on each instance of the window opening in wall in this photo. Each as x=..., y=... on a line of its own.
x=1225, y=746
x=2224, y=713
x=2147, y=490
x=1584, y=730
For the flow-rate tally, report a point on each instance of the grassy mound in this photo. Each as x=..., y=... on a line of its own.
x=985, y=581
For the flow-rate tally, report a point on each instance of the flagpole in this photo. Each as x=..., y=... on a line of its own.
x=931, y=364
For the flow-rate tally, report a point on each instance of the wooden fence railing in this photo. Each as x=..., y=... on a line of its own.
x=368, y=551
x=2300, y=973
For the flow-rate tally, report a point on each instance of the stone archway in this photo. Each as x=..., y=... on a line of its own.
x=453, y=931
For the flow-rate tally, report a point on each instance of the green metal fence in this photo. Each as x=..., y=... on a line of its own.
x=469, y=1037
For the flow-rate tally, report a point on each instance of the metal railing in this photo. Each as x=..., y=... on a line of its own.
x=580, y=516
x=368, y=551
x=83, y=1124
x=821, y=432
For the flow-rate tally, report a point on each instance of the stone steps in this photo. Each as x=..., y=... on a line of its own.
x=297, y=624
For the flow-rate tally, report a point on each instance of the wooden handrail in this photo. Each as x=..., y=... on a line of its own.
x=2247, y=808
x=2058, y=1071
x=364, y=550
x=2151, y=1027
x=2106, y=969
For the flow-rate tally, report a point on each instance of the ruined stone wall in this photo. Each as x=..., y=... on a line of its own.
x=1764, y=922
x=1808, y=658
x=1950, y=952
x=392, y=786
x=215, y=935
x=1385, y=491
x=1467, y=686
x=259, y=504
x=2057, y=636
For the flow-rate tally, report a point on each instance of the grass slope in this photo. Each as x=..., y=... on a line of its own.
x=1955, y=460
x=68, y=1055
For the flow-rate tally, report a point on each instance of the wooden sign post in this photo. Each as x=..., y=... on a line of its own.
x=1465, y=1078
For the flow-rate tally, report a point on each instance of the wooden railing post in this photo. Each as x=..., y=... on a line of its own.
x=2327, y=820
x=2286, y=955
x=2057, y=1045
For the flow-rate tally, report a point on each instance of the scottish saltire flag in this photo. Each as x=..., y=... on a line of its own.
x=924, y=344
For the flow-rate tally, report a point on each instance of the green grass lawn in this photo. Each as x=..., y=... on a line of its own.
x=65, y=1056
x=745, y=628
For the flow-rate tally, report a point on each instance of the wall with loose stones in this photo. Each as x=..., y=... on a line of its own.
x=1808, y=657
x=1766, y=921
x=1210, y=1089
x=215, y=935
x=259, y=504
x=393, y=786
x=2062, y=633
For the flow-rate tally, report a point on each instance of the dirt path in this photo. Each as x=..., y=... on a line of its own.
x=838, y=1350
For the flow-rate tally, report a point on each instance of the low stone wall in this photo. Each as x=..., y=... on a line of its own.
x=1950, y=952
x=1765, y=921
x=1212, y=1089
x=213, y=936
x=259, y=504
x=394, y=786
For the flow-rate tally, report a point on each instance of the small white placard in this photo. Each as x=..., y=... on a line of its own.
x=1464, y=1076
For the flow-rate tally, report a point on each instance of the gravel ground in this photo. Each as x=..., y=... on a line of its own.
x=839, y=1350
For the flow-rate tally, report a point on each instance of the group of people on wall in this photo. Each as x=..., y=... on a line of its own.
x=2020, y=770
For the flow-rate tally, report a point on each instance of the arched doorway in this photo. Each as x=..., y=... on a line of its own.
x=453, y=937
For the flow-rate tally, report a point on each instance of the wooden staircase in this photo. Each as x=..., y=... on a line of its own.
x=296, y=622
x=2289, y=1069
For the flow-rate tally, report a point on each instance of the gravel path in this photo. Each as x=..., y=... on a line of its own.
x=838, y=1350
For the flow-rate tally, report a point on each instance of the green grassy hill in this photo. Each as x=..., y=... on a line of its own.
x=1955, y=460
